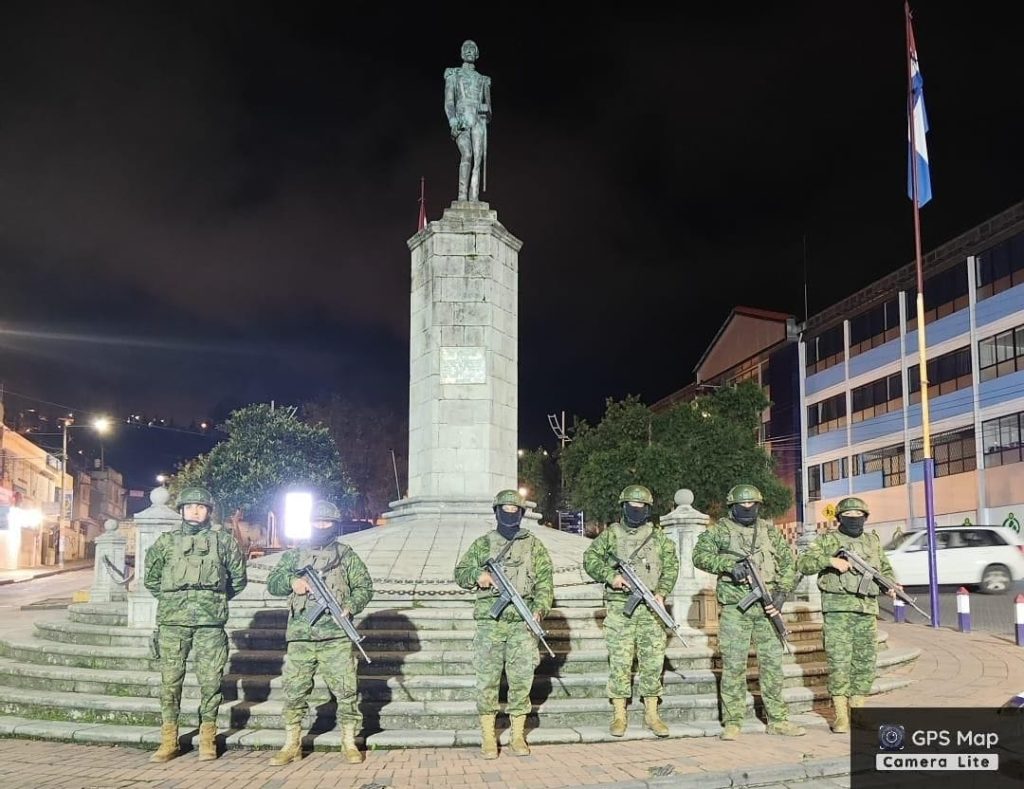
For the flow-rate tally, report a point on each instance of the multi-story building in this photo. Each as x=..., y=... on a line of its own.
x=860, y=385
x=758, y=345
x=30, y=488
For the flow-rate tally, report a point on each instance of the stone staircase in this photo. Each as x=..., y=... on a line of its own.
x=85, y=676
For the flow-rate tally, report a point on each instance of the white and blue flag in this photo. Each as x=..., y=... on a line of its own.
x=917, y=146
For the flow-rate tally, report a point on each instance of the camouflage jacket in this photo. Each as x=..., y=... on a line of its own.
x=537, y=574
x=658, y=551
x=839, y=590
x=194, y=575
x=343, y=572
x=717, y=548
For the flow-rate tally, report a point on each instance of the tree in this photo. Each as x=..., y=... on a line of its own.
x=707, y=445
x=539, y=475
x=267, y=450
x=365, y=437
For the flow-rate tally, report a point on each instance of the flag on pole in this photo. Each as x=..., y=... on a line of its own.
x=423, y=206
x=918, y=118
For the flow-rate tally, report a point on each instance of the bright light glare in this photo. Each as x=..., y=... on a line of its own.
x=101, y=424
x=25, y=518
x=298, y=508
x=161, y=478
x=523, y=492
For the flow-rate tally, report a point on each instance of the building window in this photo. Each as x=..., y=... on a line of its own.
x=890, y=461
x=1001, y=267
x=944, y=294
x=1001, y=354
x=1001, y=440
x=826, y=350
x=875, y=327
x=814, y=483
x=877, y=398
x=947, y=373
x=834, y=470
x=953, y=452
x=827, y=415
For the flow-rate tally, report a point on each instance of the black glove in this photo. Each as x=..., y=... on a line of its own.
x=779, y=599
x=739, y=572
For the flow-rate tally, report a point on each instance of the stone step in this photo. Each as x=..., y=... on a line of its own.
x=266, y=687
x=148, y=737
x=382, y=687
x=422, y=716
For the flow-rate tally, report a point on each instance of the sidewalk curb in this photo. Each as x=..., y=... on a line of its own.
x=752, y=776
x=47, y=574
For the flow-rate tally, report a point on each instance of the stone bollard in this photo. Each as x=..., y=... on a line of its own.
x=149, y=524
x=110, y=550
x=693, y=602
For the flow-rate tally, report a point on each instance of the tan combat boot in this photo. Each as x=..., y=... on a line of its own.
x=652, y=718
x=292, y=750
x=730, y=731
x=207, y=742
x=786, y=729
x=488, y=742
x=841, y=725
x=168, y=743
x=348, y=744
x=619, y=720
x=518, y=740
x=857, y=702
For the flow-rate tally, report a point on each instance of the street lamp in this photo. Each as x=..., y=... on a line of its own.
x=101, y=425
x=161, y=478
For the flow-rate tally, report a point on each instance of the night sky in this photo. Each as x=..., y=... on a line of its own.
x=207, y=205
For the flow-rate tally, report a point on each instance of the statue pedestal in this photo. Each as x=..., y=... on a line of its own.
x=693, y=600
x=149, y=524
x=463, y=357
x=110, y=548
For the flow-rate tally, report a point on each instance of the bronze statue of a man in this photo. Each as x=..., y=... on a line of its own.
x=467, y=103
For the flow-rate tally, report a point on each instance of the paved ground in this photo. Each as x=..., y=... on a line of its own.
x=954, y=670
x=991, y=612
x=33, y=573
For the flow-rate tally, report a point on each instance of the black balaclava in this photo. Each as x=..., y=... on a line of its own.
x=318, y=538
x=852, y=525
x=508, y=522
x=636, y=517
x=745, y=516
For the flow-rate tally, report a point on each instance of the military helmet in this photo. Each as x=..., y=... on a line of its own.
x=743, y=494
x=324, y=510
x=508, y=497
x=636, y=493
x=194, y=495
x=851, y=503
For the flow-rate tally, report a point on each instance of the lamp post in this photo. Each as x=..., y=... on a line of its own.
x=101, y=425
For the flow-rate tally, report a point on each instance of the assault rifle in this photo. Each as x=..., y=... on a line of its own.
x=759, y=591
x=324, y=601
x=869, y=574
x=507, y=595
x=639, y=591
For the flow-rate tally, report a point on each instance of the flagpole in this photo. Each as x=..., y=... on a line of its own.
x=922, y=349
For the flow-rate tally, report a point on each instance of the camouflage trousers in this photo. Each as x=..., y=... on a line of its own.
x=337, y=664
x=507, y=646
x=641, y=636
x=851, y=647
x=211, y=653
x=734, y=635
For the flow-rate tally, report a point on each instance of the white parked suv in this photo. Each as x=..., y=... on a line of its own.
x=991, y=557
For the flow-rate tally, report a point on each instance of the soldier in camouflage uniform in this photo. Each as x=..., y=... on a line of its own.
x=636, y=540
x=506, y=644
x=192, y=571
x=717, y=551
x=324, y=645
x=850, y=629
